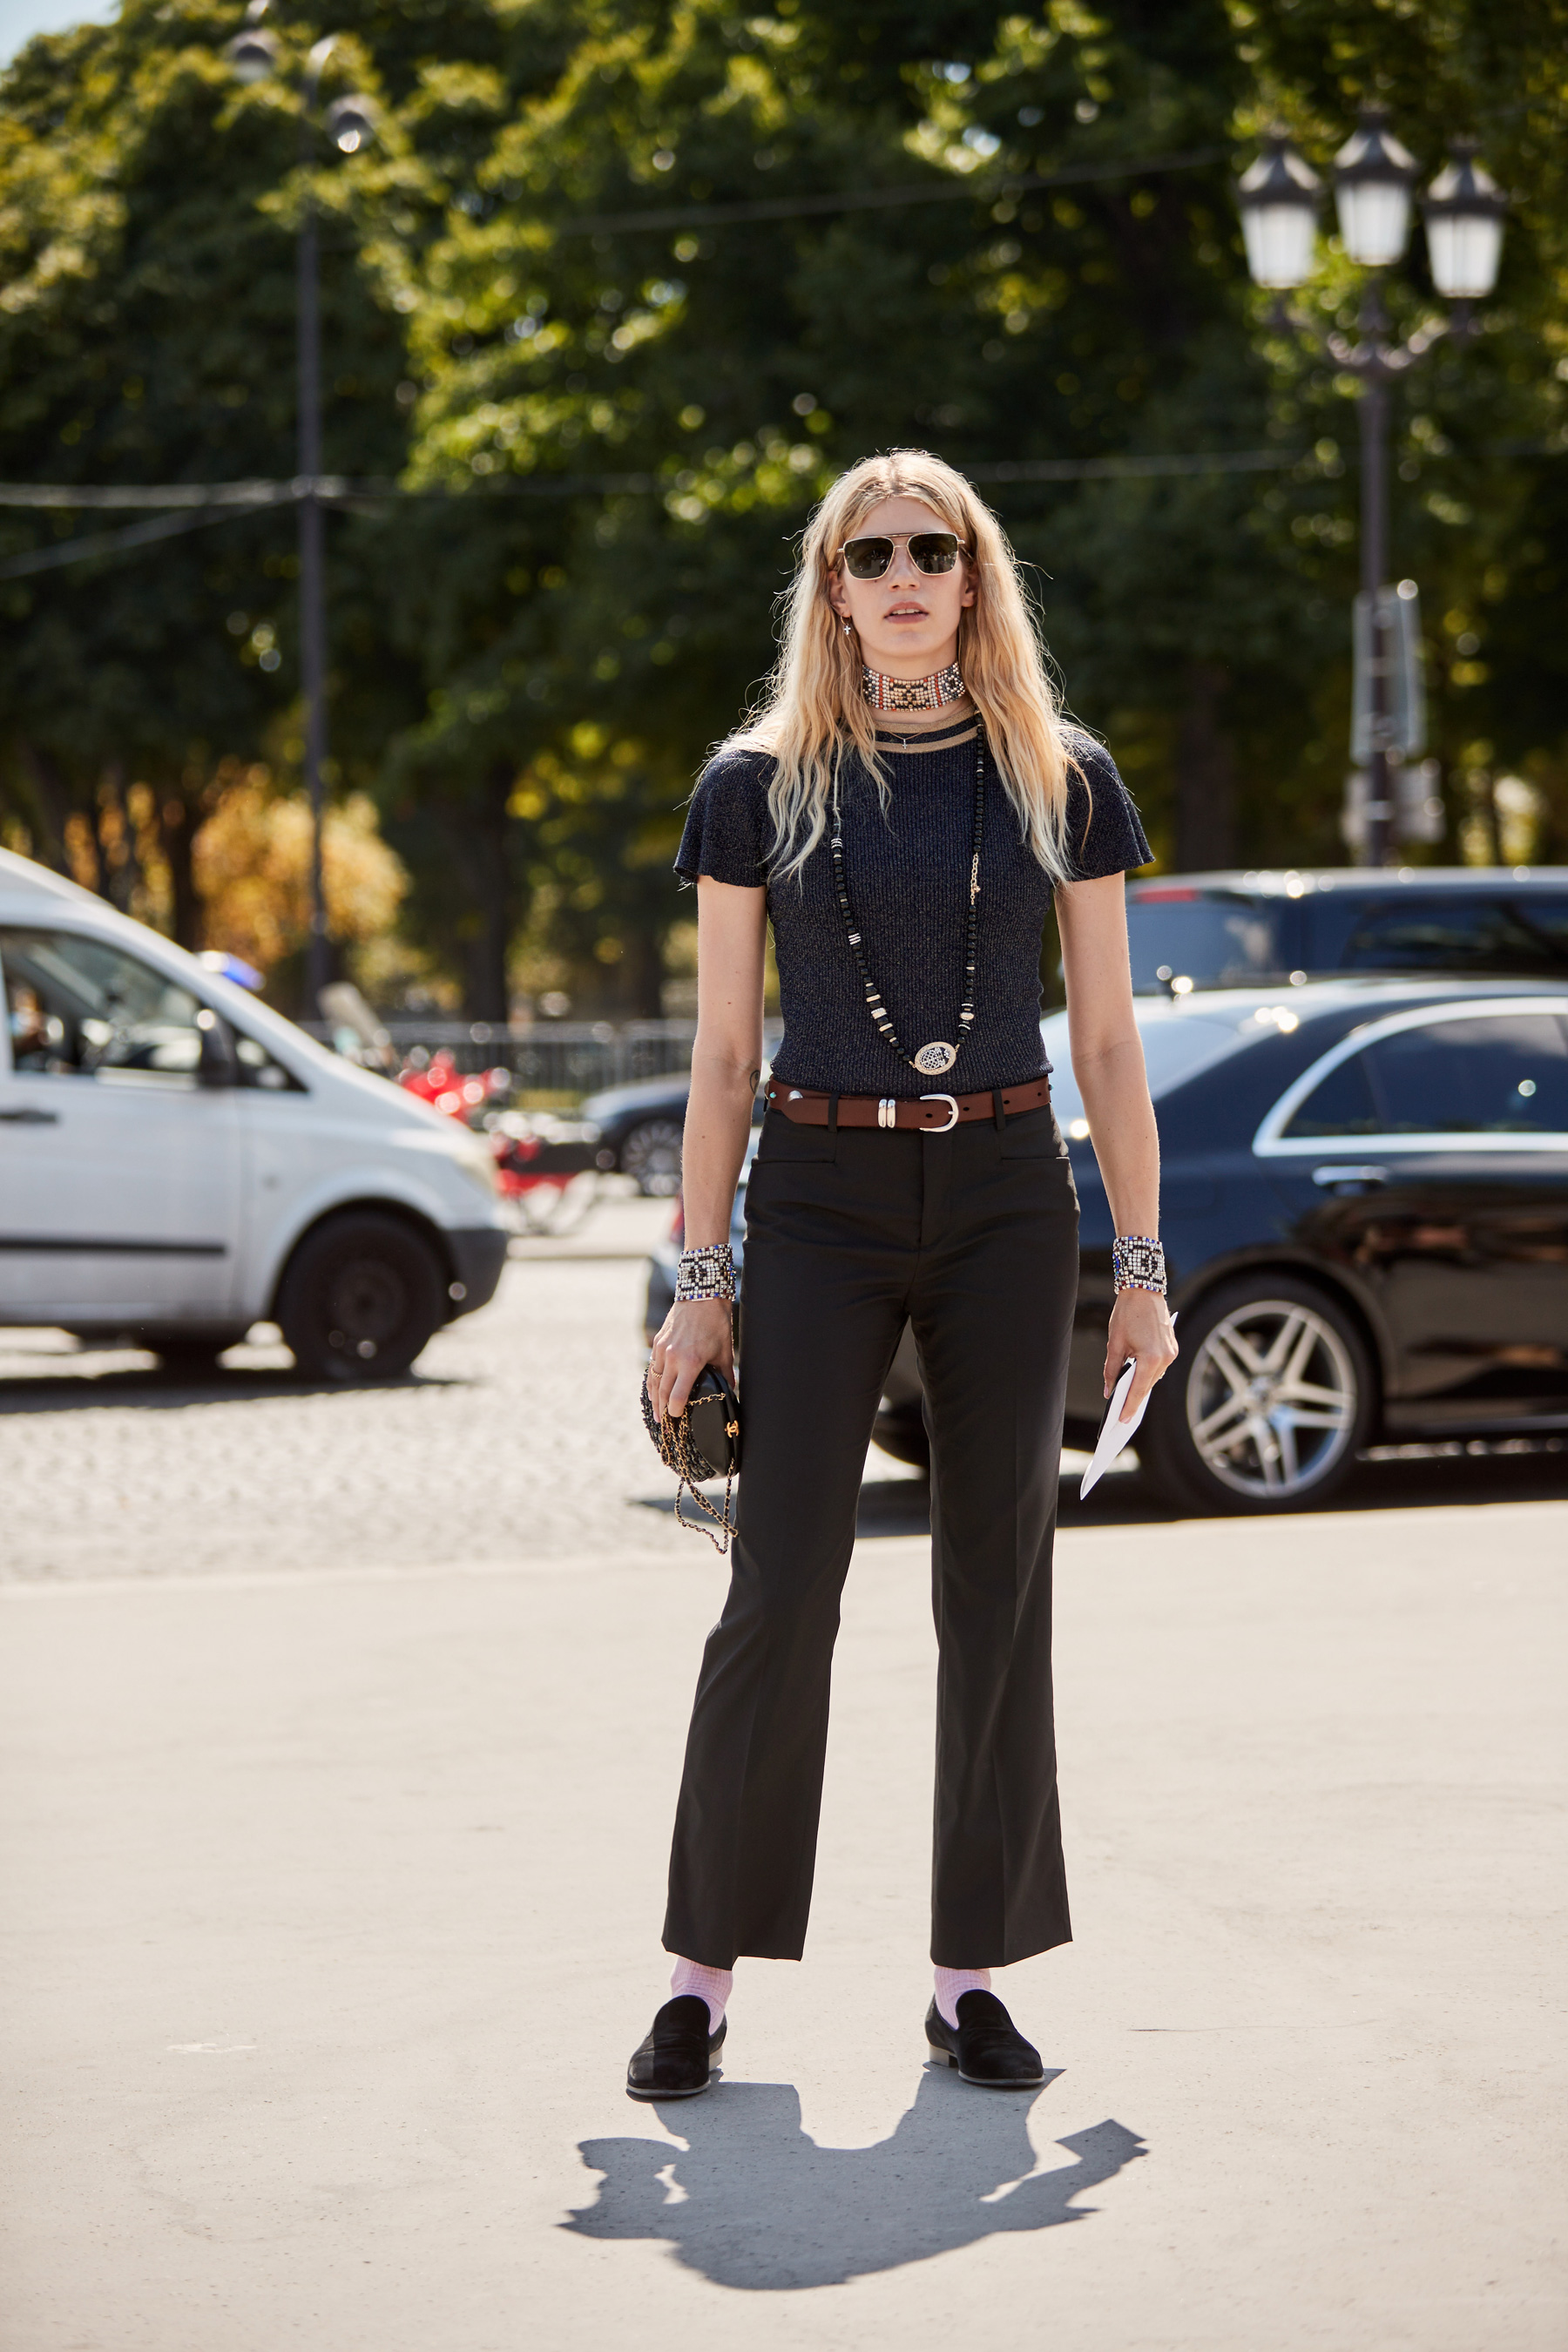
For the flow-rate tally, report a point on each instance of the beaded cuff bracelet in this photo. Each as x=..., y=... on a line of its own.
x=1138, y=1262
x=707, y=1273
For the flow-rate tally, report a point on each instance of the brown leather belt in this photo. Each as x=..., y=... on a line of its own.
x=934, y=1114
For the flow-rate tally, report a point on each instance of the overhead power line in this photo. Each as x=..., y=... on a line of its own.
x=111, y=542
x=195, y=506
x=953, y=190
x=198, y=505
x=162, y=494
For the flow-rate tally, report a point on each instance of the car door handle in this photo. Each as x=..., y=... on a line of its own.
x=1330, y=1177
x=30, y=1117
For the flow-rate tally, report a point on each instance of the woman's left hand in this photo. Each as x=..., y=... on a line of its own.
x=1140, y=1328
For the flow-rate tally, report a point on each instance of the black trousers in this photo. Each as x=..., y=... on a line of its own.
x=972, y=1237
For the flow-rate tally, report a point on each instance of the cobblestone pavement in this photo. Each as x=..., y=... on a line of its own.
x=517, y=1435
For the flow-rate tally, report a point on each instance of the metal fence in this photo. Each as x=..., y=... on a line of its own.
x=568, y=1058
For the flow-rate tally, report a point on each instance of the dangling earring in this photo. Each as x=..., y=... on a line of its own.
x=847, y=630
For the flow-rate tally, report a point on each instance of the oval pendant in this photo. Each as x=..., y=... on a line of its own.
x=933, y=1059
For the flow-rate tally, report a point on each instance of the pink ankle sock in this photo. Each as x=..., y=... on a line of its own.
x=951, y=1982
x=711, y=1984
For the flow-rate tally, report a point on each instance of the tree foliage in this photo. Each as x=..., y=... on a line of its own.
x=528, y=662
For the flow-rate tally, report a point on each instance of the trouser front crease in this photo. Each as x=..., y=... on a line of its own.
x=972, y=1237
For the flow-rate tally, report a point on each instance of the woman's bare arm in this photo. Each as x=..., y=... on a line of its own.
x=1108, y=1063
x=726, y=1063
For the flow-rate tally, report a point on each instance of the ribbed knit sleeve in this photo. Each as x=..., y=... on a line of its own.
x=728, y=827
x=1103, y=832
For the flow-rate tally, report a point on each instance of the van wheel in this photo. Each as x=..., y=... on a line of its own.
x=361, y=1298
x=1267, y=1403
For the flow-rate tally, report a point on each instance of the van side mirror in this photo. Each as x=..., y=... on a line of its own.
x=215, y=1066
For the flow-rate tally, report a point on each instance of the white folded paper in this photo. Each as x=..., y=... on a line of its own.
x=1114, y=1432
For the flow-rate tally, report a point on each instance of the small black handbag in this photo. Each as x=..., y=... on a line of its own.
x=703, y=1443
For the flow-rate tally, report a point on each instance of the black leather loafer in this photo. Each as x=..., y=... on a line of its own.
x=675, y=2059
x=985, y=2046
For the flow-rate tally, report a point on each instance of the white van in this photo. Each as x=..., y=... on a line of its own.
x=178, y=1162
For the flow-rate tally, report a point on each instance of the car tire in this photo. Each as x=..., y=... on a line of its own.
x=362, y=1297
x=1267, y=1405
x=651, y=1153
x=899, y=1430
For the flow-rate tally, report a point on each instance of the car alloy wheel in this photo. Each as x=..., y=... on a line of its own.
x=1267, y=1403
x=651, y=1153
x=1272, y=1399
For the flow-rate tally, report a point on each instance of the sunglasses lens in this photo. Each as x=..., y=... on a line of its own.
x=935, y=551
x=867, y=559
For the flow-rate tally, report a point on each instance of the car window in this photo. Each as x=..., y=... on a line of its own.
x=1215, y=940
x=255, y=1066
x=1177, y=1043
x=76, y=1007
x=1453, y=931
x=1502, y=1076
x=1343, y=1105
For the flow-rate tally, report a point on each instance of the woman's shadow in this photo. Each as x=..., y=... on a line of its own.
x=753, y=2202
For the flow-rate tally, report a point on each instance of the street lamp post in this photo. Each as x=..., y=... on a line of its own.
x=1374, y=180
x=253, y=56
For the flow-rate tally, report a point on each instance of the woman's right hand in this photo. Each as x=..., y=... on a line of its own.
x=696, y=1332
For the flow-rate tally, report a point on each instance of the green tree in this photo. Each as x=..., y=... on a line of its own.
x=529, y=664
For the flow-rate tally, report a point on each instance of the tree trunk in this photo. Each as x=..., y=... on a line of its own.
x=644, y=970
x=123, y=876
x=1205, y=776
x=51, y=799
x=479, y=836
x=177, y=823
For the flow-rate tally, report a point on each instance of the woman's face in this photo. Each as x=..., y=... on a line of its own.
x=907, y=622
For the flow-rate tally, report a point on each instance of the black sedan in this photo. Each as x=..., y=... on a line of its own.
x=1365, y=1204
x=1365, y=1213
x=640, y=1130
x=1424, y=923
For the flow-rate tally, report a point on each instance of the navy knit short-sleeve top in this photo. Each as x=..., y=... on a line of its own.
x=908, y=871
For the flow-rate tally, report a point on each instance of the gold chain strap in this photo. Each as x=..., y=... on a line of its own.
x=673, y=1436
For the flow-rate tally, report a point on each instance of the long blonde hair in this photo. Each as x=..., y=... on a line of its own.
x=812, y=701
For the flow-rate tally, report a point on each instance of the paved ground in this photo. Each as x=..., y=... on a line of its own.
x=339, y=1739
x=517, y=1431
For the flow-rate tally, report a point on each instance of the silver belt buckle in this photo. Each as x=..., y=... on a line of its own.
x=952, y=1102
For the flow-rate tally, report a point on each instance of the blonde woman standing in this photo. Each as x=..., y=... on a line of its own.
x=900, y=808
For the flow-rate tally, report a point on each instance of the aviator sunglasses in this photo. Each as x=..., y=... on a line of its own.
x=930, y=551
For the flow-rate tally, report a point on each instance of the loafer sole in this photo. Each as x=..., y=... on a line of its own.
x=695, y=2093
x=985, y=2081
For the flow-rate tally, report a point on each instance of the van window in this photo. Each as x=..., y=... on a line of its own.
x=1525, y=937
x=1502, y=1076
x=255, y=1066
x=76, y=1007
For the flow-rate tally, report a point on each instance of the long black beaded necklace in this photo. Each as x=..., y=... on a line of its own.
x=932, y=1061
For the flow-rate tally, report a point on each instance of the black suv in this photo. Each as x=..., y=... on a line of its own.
x=1238, y=930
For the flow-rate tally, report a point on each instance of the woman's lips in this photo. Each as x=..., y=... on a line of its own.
x=905, y=613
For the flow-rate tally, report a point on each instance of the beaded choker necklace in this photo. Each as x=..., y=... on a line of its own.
x=932, y=1061
x=932, y=693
